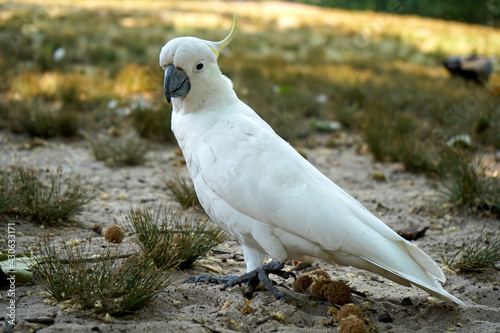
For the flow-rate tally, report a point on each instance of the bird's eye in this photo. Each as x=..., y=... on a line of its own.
x=200, y=66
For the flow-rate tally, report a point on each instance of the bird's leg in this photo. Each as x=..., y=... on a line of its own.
x=261, y=275
x=253, y=278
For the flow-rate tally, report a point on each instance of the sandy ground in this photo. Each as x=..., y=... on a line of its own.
x=403, y=201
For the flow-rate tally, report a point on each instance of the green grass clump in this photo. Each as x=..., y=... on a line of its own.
x=388, y=137
x=466, y=182
x=5, y=192
x=43, y=196
x=125, y=149
x=152, y=123
x=395, y=138
x=476, y=253
x=38, y=119
x=4, y=200
x=95, y=277
x=182, y=190
x=171, y=240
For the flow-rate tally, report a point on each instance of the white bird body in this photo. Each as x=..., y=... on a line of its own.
x=262, y=192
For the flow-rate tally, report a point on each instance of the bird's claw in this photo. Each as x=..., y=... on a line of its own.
x=261, y=275
x=253, y=278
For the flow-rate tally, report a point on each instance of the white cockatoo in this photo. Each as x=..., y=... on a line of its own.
x=263, y=193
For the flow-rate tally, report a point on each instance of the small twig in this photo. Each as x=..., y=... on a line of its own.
x=41, y=320
x=264, y=320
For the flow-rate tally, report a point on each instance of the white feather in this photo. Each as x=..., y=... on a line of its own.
x=257, y=188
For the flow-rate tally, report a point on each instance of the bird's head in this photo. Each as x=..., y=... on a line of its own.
x=190, y=65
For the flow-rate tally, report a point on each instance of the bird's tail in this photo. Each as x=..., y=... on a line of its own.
x=401, y=262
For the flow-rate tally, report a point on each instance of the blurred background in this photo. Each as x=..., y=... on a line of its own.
x=375, y=69
x=485, y=12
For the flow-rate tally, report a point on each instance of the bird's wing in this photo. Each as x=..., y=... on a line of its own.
x=262, y=176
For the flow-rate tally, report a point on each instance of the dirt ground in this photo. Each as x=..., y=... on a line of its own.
x=403, y=201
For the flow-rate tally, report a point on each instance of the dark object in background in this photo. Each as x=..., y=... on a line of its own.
x=413, y=234
x=473, y=67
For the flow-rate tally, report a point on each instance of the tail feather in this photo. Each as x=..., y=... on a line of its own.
x=440, y=293
x=399, y=261
x=431, y=286
x=424, y=260
x=377, y=248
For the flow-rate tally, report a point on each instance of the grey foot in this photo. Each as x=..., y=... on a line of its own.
x=261, y=275
x=253, y=278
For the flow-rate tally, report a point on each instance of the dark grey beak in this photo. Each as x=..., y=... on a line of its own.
x=176, y=82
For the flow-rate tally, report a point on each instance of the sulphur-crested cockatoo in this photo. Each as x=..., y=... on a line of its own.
x=263, y=193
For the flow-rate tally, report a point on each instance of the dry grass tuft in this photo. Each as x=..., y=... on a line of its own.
x=466, y=181
x=93, y=277
x=182, y=190
x=125, y=149
x=38, y=119
x=476, y=253
x=170, y=239
x=43, y=196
